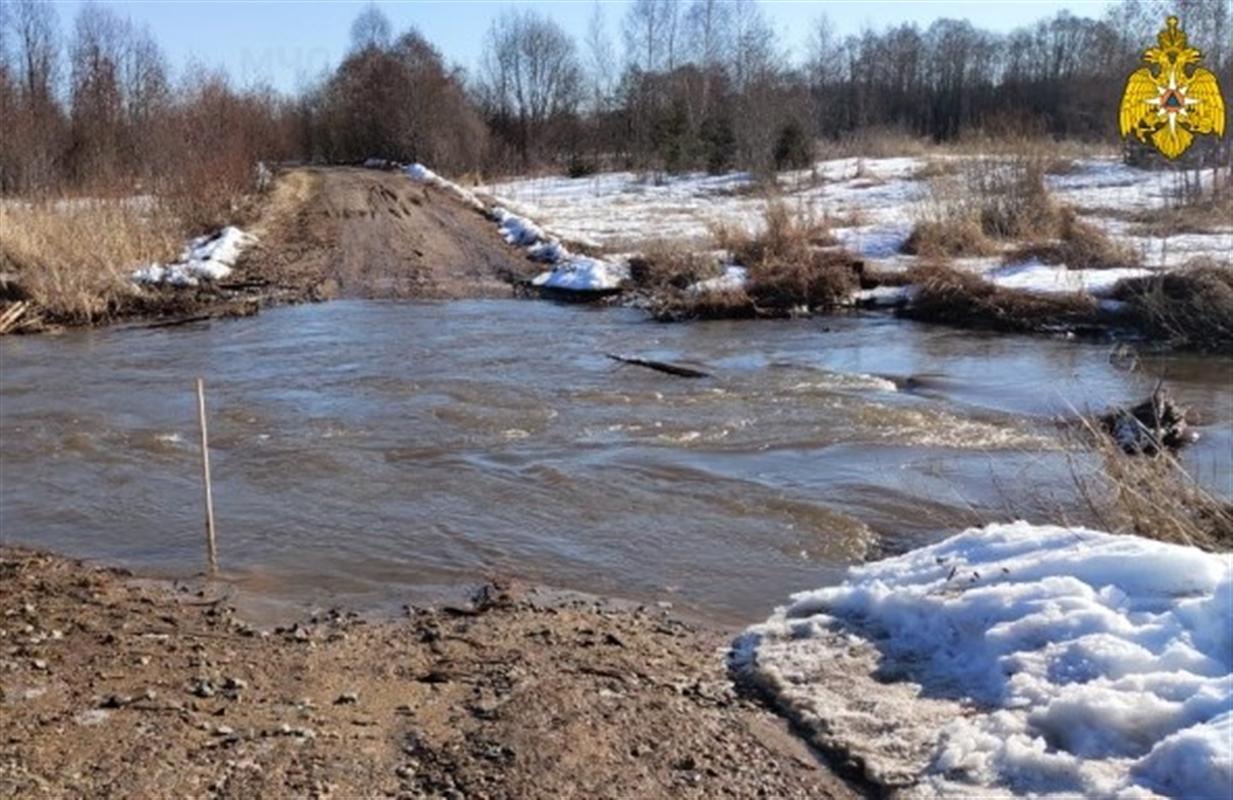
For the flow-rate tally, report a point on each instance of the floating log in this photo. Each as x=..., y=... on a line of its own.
x=660, y=366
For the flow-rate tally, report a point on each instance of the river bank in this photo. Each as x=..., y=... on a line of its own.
x=115, y=687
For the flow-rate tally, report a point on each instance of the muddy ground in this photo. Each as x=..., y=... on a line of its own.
x=112, y=687
x=369, y=233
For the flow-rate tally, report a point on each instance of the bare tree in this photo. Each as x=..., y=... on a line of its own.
x=708, y=27
x=601, y=65
x=753, y=52
x=36, y=38
x=370, y=29
x=97, y=101
x=530, y=77
x=650, y=34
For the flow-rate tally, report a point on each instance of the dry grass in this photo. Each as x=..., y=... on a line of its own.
x=1080, y=245
x=944, y=237
x=1151, y=496
x=986, y=198
x=72, y=260
x=726, y=304
x=667, y=264
x=954, y=297
x=784, y=236
x=874, y=143
x=1211, y=215
x=1191, y=308
x=936, y=168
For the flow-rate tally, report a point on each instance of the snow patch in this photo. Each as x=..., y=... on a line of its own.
x=735, y=277
x=1035, y=276
x=1075, y=662
x=422, y=174
x=208, y=258
x=886, y=296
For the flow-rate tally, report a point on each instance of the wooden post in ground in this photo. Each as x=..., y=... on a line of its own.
x=211, y=545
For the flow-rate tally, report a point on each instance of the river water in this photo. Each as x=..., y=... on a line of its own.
x=376, y=453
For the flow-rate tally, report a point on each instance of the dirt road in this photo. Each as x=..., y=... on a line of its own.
x=368, y=233
x=111, y=688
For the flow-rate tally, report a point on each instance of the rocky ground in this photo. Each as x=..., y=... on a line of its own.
x=112, y=687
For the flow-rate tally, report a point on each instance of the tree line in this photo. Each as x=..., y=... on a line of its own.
x=670, y=85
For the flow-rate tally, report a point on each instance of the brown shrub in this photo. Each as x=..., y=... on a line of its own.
x=664, y=264
x=1081, y=246
x=785, y=237
x=1191, y=308
x=987, y=198
x=72, y=260
x=956, y=237
x=823, y=280
x=791, y=268
x=1013, y=201
x=961, y=298
x=724, y=304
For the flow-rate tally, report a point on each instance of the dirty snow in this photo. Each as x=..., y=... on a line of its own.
x=1017, y=659
x=206, y=258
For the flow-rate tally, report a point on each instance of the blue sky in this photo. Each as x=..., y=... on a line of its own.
x=284, y=43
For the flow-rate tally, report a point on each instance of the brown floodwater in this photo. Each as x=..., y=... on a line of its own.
x=376, y=453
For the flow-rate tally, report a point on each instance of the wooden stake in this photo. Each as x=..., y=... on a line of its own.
x=211, y=545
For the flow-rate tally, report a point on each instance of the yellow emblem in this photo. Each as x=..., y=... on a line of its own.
x=1171, y=105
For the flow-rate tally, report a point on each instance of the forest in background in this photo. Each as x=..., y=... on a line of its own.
x=93, y=106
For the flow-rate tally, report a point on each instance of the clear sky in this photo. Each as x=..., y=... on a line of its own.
x=286, y=42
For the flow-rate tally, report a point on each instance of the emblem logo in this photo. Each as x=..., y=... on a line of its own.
x=1171, y=105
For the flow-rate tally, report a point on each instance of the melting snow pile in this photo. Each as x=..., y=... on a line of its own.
x=734, y=277
x=208, y=258
x=1071, y=661
x=569, y=271
x=422, y=174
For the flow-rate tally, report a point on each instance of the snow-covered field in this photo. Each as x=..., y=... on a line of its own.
x=1017, y=659
x=881, y=198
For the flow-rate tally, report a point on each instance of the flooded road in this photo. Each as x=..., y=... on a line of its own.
x=375, y=453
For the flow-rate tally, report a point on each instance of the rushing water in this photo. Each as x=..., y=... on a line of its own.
x=372, y=453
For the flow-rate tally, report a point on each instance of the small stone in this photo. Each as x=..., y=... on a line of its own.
x=39, y=664
x=202, y=688
x=347, y=698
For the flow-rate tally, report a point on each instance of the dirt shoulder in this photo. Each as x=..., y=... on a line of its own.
x=114, y=687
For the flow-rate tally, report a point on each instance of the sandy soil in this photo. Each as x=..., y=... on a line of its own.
x=112, y=687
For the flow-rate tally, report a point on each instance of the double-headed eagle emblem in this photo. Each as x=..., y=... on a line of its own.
x=1171, y=105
